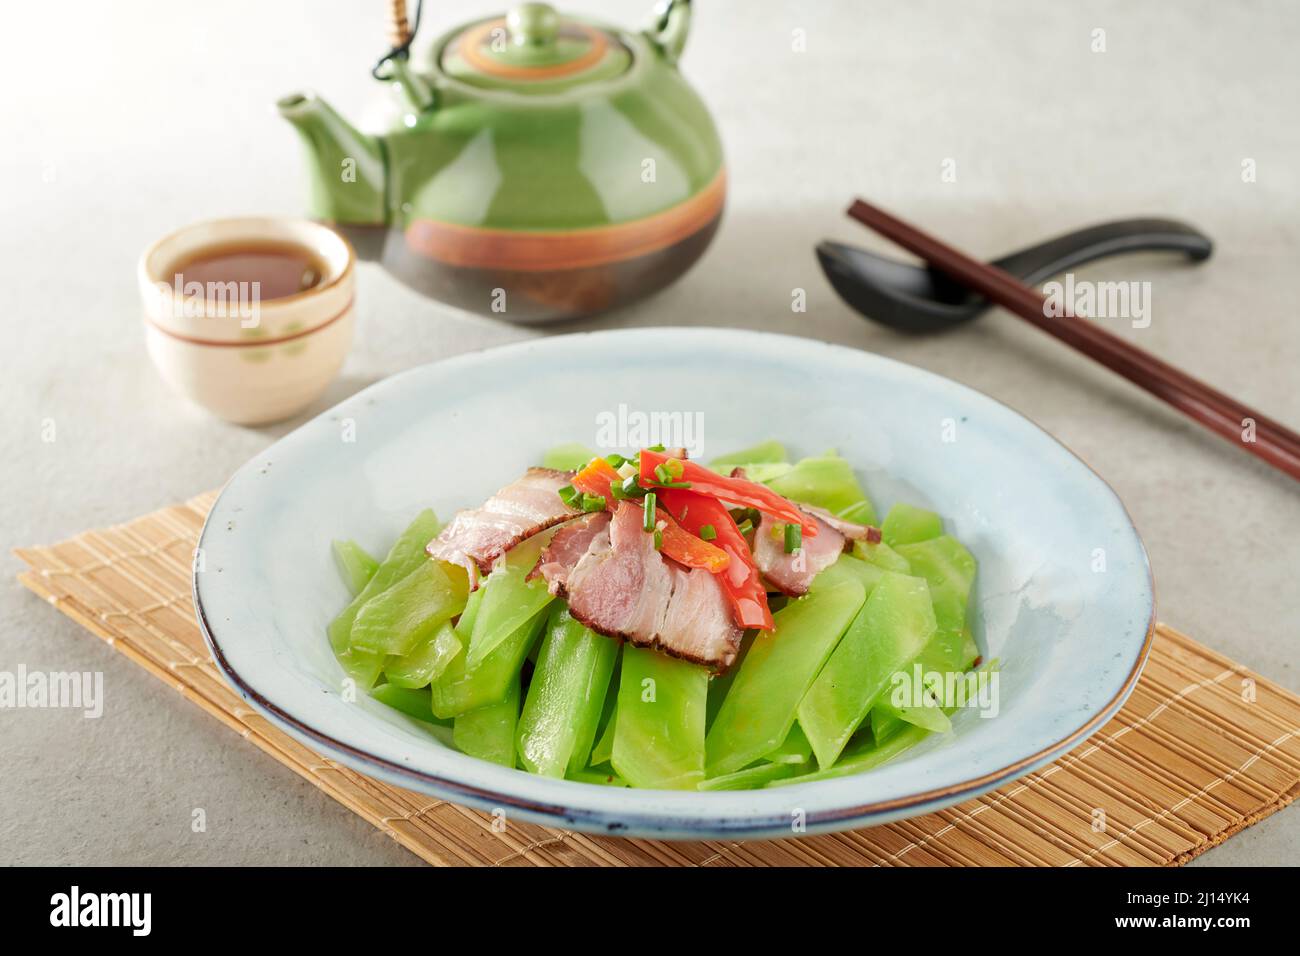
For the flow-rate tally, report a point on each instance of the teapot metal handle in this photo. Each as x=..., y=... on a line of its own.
x=393, y=65
x=400, y=35
x=672, y=22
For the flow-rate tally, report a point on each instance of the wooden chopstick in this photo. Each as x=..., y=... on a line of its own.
x=1268, y=439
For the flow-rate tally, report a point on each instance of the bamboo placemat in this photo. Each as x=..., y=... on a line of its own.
x=1202, y=749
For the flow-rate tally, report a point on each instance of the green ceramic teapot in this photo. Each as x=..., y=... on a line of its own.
x=539, y=167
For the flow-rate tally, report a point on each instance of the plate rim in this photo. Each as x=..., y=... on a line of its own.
x=662, y=824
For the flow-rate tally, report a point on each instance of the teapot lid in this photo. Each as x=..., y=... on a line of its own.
x=533, y=49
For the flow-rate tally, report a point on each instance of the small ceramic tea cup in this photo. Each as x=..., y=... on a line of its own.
x=248, y=359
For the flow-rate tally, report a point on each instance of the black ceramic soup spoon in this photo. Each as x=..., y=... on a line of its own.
x=916, y=298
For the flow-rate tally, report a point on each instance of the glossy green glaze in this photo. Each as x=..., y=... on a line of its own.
x=557, y=147
x=346, y=172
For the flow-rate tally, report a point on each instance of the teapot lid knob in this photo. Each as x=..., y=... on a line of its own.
x=536, y=49
x=533, y=24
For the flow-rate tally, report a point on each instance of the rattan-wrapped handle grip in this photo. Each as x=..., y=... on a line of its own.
x=399, y=28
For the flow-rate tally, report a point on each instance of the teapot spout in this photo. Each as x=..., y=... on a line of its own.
x=345, y=166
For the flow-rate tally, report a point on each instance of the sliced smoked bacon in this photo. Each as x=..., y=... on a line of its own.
x=476, y=538
x=793, y=573
x=850, y=529
x=621, y=586
x=566, y=548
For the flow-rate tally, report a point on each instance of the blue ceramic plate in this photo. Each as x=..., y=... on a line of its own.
x=1063, y=596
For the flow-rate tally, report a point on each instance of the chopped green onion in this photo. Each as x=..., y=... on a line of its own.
x=663, y=474
x=659, y=540
x=708, y=532
x=615, y=460
x=742, y=514
x=632, y=488
x=745, y=527
x=655, y=448
x=793, y=538
x=593, y=503
x=674, y=484
x=675, y=468
x=650, y=511
x=568, y=494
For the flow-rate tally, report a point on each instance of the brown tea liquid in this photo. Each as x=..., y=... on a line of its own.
x=281, y=268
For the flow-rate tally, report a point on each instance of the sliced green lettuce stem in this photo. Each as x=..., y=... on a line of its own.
x=427, y=661
x=461, y=687
x=355, y=565
x=509, y=599
x=398, y=620
x=777, y=672
x=659, y=735
x=404, y=557
x=488, y=732
x=890, y=630
x=566, y=696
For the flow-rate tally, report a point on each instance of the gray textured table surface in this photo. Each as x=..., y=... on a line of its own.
x=144, y=117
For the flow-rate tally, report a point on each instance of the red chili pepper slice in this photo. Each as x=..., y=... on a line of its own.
x=740, y=581
x=596, y=477
x=738, y=490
